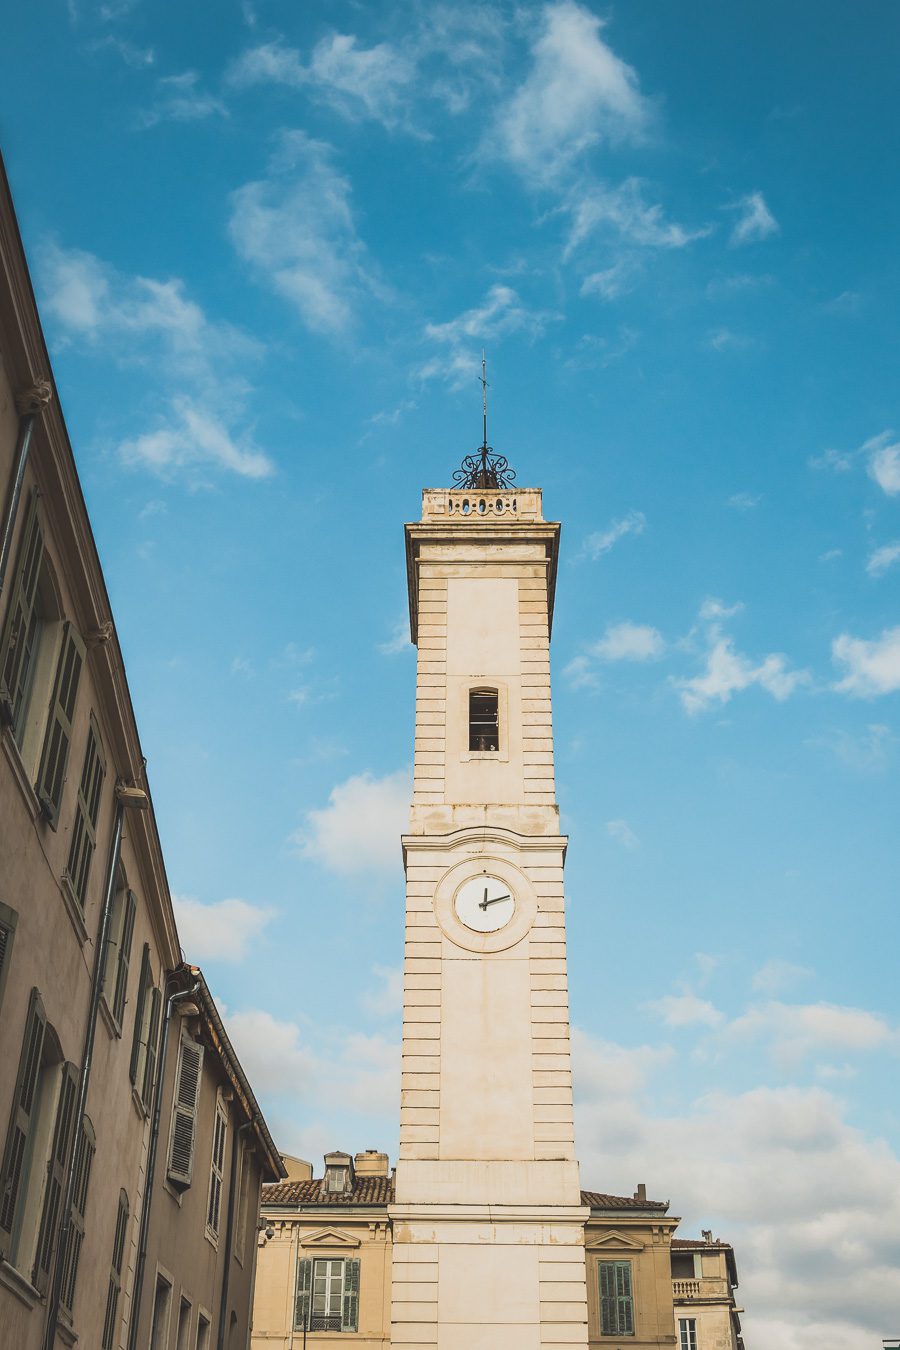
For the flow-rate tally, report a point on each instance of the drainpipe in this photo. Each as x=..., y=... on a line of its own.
x=29, y=403
x=127, y=798
x=229, y=1237
x=135, y=1314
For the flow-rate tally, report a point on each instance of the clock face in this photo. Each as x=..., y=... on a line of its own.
x=485, y=904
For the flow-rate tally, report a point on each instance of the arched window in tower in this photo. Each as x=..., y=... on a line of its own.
x=484, y=720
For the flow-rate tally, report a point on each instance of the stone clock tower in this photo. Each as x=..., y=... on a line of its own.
x=488, y=1226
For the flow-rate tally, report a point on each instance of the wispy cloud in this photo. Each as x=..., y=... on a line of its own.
x=296, y=229
x=399, y=640
x=882, y=558
x=180, y=98
x=872, y=666
x=744, y=501
x=221, y=930
x=623, y=834
x=884, y=461
x=192, y=436
x=360, y=827
x=500, y=313
x=622, y=212
x=727, y=671
x=601, y=541
x=754, y=222
x=629, y=642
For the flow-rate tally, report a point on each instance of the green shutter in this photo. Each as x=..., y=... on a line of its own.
x=143, y=988
x=123, y=957
x=616, y=1300
x=57, y=740
x=110, y=1319
x=304, y=1292
x=184, y=1113
x=84, y=1158
x=149, y=1080
x=56, y=1178
x=19, y=639
x=87, y=810
x=14, y=1160
x=350, y=1309
x=8, y=920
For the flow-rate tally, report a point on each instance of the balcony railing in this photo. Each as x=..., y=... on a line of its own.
x=686, y=1288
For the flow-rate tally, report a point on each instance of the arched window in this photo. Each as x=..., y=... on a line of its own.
x=484, y=720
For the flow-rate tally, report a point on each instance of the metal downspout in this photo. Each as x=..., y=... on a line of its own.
x=229, y=1238
x=135, y=1313
x=29, y=404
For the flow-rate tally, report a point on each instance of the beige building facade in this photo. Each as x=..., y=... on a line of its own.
x=90, y=960
x=704, y=1275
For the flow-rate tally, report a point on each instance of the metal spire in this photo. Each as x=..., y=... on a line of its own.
x=484, y=469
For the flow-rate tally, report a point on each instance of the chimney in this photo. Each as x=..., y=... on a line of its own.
x=371, y=1164
x=641, y=1192
x=706, y=1234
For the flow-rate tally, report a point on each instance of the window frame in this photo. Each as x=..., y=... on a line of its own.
x=617, y=1302
x=111, y=1317
x=83, y=838
x=217, y=1170
x=347, y=1297
x=688, y=1341
x=9, y=920
x=71, y=1258
x=185, y=1104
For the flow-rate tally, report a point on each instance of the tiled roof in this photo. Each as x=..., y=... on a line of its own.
x=366, y=1191
x=597, y=1200
x=700, y=1244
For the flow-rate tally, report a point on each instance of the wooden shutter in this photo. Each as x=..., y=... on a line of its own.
x=8, y=920
x=87, y=809
x=17, y=651
x=616, y=1302
x=350, y=1308
x=150, y=1058
x=184, y=1113
x=137, y=1039
x=13, y=1173
x=110, y=1319
x=58, y=737
x=217, y=1170
x=123, y=957
x=625, y=1305
x=304, y=1292
x=56, y=1178
x=84, y=1157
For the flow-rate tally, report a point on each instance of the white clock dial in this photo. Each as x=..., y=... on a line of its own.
x=485, y=904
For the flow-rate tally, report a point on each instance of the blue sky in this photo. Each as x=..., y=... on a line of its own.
x=269, y=243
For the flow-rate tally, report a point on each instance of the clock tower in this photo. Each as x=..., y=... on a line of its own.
x=488, y=1225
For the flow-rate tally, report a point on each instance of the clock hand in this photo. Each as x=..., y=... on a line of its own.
x=485, y=902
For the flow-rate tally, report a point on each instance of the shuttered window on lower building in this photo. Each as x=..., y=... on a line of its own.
x=141, y=1014
x=217, y=1169
x=84, y=1157
x=13, y=1174
x=58, y=737
x=327, y=1294
x=184, y=1112
x=151, y=1054
x=8, y=921
x=18, y=650
x=51, y=1215
x=616, y=1299
x=111, y=1316
x=87, y=809
x=117, y=958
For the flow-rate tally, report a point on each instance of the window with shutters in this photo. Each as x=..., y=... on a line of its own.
x=117, y=956
x=243, y=1209
x=484, y=720
x=183, y=1330
x=217, y=1170
x=616, y=1299
x=55, y=1184
x=84, y=1158
x=8, y=920
x=162, y=1306
x=184, y=1112
x=203, y=1325
x=25, y=627
x=87, y=808
x=111, y=1316
x=327, y=1294
x=687, y=1333
x=30, y=1139
x=58, y=738
x=145, y=1040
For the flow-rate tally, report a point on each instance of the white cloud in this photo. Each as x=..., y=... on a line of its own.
x=624, y=212
x=179, y=98
x=623, y=834
x=579, y=674
x=220, y=931
x=501, y=312
x=268, y=63
x=728, y=672
x=687, y=1010
x=359, y=830
x=193, y=437
x=866, y=751
x=296, y=229
x=777, y=976
x=595, y=545
x=873, y=667
x=744, y=501
x=629, y=642
x=838, y=461
x=576, y=94
x=713, y=609
x=398, y=641
x=882, y=558
x=755, y=221
x=884, y=462
x=387, y=999
x=794, y=1032
x=611, y=282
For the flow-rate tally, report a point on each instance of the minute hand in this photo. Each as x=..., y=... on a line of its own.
x=483, y=904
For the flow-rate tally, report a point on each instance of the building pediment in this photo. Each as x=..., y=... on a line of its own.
x=329, y=1237
x=616, y=1240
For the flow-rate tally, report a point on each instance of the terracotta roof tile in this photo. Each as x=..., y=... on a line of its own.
x=700, y=1244
x=366, y=1191
x=597, y=1200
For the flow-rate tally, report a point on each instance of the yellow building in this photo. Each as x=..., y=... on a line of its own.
x=482, y=1238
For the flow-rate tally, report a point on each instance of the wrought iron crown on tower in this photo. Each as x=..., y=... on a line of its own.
x=485, y=468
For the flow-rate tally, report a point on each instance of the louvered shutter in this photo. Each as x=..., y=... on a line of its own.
x=123, y=957
x=87, y=810
x=149, y=1079
x=20, y=1123
x=137, y=1039
x=625, y=1305
x=8, y=920
x=110, y=1319
x=17, y=651
x=350, y=1308
x=304, y=1292
x=84, y=1158
x=184, y=1113
x=58, y=737
x=607, y=1298
x=56, y=1178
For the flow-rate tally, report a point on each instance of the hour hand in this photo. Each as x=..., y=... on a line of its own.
x=493, y=900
